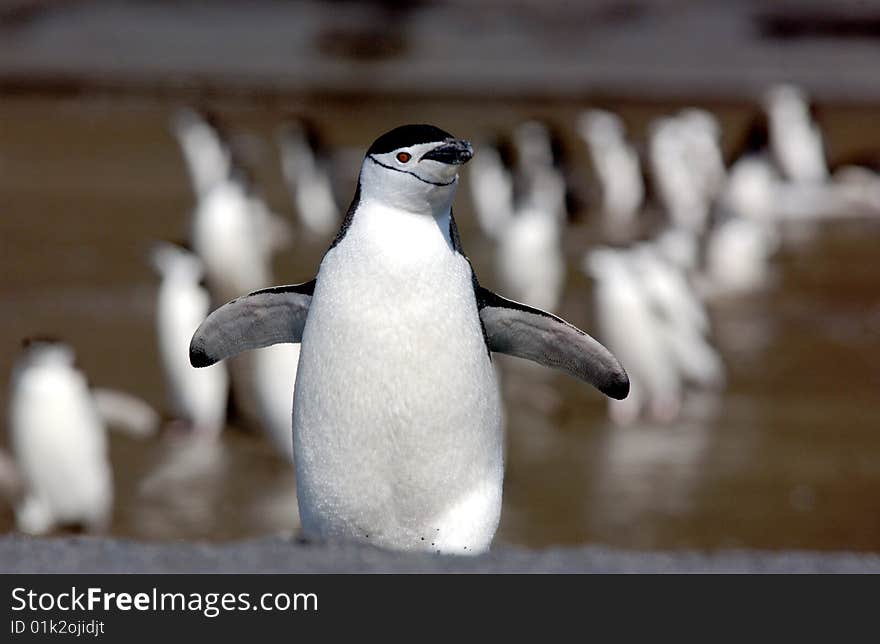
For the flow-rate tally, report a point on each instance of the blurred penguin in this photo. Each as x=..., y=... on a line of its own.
x=530, y=259
x=740, y=245
x=491, y=187
x=233, y=231
x=617, y=167
x=235, y=235
x=668, y=287
x=306, y=171
x=628, y=328
x=798, y=150
x=59, y=441
x=681, y=248
x=752, y=189
x=795, y=139
x=237, y=258
x=539, y=173
x=207, y=155
x=197, y=396
x=648, y=307
x=702, y=134
x=681, y=316
x=796, y=194
x=738, y=253
x=678, y=186
x=231, y=234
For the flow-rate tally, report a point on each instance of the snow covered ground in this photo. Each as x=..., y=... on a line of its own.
x=275, y=555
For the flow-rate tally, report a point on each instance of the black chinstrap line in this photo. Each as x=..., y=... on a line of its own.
x=433, y=183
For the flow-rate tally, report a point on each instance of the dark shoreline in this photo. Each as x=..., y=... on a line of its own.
x=637, y=50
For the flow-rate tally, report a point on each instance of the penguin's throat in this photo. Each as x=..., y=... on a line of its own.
x=435, y=202
x=401, y=234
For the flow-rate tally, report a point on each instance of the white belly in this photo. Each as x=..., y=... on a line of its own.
x=397, y=415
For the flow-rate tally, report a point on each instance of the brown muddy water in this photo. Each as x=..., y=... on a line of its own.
x=787, y=457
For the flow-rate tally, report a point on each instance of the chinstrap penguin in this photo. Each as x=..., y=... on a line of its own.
x=397, y=427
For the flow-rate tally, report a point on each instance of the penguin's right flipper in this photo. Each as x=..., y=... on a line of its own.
x=260, y=319
x=533, y=334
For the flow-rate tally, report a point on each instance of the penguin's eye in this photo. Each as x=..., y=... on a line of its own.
x=404, y=157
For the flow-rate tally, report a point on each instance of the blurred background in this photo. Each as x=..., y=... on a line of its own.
x=740, y=138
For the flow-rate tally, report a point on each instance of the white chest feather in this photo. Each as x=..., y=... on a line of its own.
x=397, y=418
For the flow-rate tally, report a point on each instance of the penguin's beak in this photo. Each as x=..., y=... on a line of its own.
x=453, y=152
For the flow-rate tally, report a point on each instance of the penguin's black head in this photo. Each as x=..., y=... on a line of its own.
x=435, y=144
x=412, y=165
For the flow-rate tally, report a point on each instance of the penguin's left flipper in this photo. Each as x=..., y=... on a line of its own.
x=526, y=332
x=260, y=319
